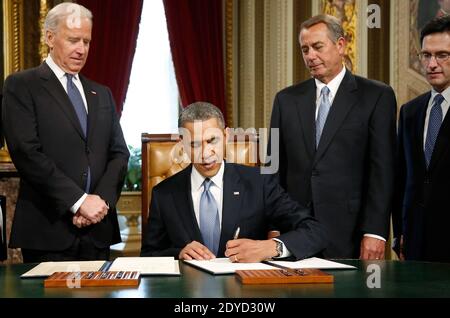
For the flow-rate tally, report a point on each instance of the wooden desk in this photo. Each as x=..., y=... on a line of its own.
x=397, y=279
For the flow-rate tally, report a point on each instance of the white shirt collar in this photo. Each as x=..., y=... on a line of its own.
x=56, y=69
x=197, y=179
x=333, y=85
x=445, y=94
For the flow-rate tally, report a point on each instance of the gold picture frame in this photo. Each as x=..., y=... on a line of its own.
x=12, y=47
x=22, y=50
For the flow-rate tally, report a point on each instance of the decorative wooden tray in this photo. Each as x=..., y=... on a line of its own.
x=283, y=276
x=88, y=279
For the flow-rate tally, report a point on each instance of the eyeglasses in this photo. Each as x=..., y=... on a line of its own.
x=440, y=57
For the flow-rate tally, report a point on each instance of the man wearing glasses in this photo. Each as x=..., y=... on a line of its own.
x=421, y=215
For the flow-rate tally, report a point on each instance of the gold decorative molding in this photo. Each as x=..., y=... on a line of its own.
x=229, y=85
x=13, y=35
x=347, y=12
x=13, y=56
x=414, y=45
x=43, y=10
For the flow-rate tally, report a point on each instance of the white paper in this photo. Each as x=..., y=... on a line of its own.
x=48, y=268
x=225, y=266
x=147, y=265
x=315, y=262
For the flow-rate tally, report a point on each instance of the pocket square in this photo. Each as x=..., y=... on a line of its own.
x=236, y=193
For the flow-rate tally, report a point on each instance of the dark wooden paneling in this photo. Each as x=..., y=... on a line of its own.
x=378, y=45
x=302, y=12
x=31, y=33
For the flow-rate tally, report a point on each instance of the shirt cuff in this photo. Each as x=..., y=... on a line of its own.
x=286, y=252
x=77, y=204
x=375, y=236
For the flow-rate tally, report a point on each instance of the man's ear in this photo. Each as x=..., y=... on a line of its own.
x=49, y=39
x=341, y=43
x=226, y=134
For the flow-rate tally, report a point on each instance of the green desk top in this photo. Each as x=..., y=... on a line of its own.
x=396, y=279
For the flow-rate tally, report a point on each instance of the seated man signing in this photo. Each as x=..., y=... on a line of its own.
x=195, y=214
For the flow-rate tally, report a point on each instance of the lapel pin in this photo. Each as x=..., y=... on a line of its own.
x=236, y=193
x=94, y=92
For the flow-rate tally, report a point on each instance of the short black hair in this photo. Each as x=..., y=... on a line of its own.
x=437, y=25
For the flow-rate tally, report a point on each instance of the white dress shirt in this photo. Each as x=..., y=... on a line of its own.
x=333, y=86
x=61, y=75
x=216, y=190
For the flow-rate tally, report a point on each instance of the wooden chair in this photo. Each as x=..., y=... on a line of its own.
x=163, y=156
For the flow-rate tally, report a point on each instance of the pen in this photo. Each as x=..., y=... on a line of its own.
x=236, y=234
x=288, y=269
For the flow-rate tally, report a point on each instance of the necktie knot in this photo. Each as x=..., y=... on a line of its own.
x=438, y=99
x=69, y=78
x=325, y=91
x=207, y=184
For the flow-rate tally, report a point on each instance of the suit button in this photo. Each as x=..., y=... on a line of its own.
x=426, y=181
x=315, y=173
x=88, y=151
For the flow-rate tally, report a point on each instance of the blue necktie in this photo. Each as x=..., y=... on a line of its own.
x=80, y=110
x=77, y=102
x=209, y=218
x=322, y=114
x=434, y=124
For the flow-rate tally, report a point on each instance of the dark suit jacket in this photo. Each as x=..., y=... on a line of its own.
x=349, y=179
x=261, y=203
x=49, y=150
x=422, y=203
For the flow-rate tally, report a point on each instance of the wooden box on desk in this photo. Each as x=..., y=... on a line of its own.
x=93, y=279
x=282, y=276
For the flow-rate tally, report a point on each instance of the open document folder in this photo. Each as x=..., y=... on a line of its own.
x=225, y=266
x=144, y=265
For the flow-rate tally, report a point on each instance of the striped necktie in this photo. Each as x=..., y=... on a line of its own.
x=322, y=114
x=209, y=218
x=80, y=110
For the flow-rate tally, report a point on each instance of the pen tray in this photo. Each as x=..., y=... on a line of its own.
x=281, y=276
x=89, y=279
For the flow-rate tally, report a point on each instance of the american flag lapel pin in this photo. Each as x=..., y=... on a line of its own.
x=236, y=193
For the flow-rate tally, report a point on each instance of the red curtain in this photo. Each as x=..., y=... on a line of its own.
x=114, y=35
x=195, y=34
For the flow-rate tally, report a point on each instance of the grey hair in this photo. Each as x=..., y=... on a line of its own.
x=333, y=24
x=65, y=10
x=200, y=111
